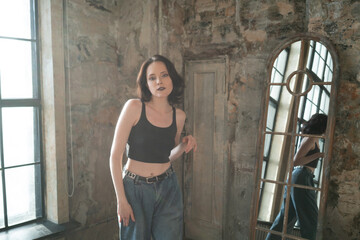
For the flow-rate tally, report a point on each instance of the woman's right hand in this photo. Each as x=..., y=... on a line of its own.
x=125, y=212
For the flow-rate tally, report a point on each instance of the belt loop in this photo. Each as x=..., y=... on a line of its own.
x=136, y=179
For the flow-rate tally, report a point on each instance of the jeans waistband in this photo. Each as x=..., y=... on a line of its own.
x=306, y=168
x=158, y=178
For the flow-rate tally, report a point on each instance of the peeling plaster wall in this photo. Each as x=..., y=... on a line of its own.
x=108, y=40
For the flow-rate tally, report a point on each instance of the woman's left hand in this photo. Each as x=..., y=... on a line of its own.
x=190, y=142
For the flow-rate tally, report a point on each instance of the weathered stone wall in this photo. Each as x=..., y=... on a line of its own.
x=107, y=41
x=340, y=22
x=247, y=32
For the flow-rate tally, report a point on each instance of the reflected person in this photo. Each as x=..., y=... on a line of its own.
x=302, y=204
x=149, y=202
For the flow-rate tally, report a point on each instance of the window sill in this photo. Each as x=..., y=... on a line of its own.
x=37, y=230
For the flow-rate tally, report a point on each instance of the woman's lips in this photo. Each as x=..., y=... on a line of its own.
x=161, y=89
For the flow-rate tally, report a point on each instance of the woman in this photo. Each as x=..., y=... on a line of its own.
x=149, y=202
x=302, y=205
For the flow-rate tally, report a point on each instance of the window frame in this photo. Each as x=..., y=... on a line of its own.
x=34, y=102
x=275, y=102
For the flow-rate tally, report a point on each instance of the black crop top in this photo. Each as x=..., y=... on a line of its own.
x=149, y=143
x=313, y=163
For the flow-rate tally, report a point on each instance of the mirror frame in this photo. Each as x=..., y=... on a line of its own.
x=329, y=133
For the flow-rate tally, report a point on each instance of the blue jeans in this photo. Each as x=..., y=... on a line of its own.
x=302, y=207
x=157, y=207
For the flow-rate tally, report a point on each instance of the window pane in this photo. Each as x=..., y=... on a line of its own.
x=310, y=94
x=301, y=106
x=328, y=59
x=315, y=63
x=282, y=61
x=307, y=112
x=271, y=116
x=323, y=51
x=18, y=134
x=273, y=75
x=21, y=193
x=2, y=221
x=326, y=74
x=325, y=103
x=276, y=62
x=311, y=49
x=316, y=94
x=328, y=77
x=278, y=78
x=320, y=68
x=267, y=145
x=16, y=55
x=16, y=12
x=275, y=92
x=329, y=62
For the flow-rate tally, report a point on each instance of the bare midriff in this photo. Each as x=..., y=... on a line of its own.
x=146, y=169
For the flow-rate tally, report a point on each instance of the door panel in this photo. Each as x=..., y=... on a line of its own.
x=204, y=170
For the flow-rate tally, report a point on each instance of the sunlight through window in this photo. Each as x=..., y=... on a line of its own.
x=20, y=165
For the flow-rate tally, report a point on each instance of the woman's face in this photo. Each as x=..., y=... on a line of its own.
x=158, y=80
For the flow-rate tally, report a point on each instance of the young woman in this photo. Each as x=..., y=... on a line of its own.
x=149, y=202
x=302, y=205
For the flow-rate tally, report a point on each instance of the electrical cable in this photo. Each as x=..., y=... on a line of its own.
x=68, y=75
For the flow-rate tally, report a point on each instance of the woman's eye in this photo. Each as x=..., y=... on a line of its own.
x=152, y=78
x=165, y=75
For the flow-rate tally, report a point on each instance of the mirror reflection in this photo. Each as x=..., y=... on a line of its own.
x=298, y=100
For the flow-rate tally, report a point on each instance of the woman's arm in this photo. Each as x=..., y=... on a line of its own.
x=128, y=116
x=187, y=143
x=306, y=145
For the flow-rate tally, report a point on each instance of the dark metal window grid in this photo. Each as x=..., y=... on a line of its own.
x=34, y=102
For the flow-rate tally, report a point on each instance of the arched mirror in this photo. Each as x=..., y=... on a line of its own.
x=301, y=83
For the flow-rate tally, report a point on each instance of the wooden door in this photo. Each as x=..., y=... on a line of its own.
x=205, y=170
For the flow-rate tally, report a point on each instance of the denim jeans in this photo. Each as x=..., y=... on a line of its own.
x=302, y=207
x=157, y=207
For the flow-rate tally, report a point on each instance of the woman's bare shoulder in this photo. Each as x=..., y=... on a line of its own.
x=180, y=114
x=133, y=103
x=308, y=143
x=132, y=109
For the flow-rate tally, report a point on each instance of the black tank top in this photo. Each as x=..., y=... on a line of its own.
x=149, y=143
x=313, y=163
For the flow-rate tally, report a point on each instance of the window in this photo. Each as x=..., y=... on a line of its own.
x=20, y=115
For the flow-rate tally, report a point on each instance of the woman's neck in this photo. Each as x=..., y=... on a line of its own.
x=160, y=104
